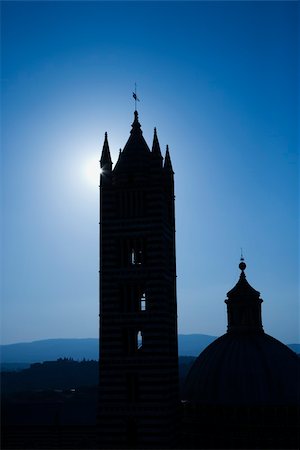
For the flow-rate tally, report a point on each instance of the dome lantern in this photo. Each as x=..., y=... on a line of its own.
x=244, y=306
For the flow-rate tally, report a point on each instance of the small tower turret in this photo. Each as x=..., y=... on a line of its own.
x=105, y=163
x=244, y=306
x=168, y=165
x=156, y=153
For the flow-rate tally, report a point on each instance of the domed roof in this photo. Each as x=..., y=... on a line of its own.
x=244, y=368
x=245, y=365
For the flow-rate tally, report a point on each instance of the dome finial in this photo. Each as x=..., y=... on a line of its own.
x=242, y=264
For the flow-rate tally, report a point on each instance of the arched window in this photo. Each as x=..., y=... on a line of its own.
x=139, y=340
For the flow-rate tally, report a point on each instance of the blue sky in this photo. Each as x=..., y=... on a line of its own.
x=219, y=80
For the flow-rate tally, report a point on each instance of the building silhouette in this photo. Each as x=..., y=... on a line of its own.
x=138, y=388
x=241, y=392
x=243, y=389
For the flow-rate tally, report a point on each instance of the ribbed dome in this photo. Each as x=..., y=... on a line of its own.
x=245, y=366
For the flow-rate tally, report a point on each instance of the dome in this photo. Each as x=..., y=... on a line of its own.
x=245, y=366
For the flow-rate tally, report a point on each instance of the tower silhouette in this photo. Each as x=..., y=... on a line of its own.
x=138, y=387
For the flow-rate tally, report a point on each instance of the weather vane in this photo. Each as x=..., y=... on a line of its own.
x=134, y=95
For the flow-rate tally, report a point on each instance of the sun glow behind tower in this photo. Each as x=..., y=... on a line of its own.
x=92, y=171
x=222, y=93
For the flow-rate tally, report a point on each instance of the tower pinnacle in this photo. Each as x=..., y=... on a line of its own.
x=136, y=126
x=168, y=164
x=105, y=161
x=156, y=147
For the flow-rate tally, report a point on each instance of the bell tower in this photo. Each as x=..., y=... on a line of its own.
x=138, y=388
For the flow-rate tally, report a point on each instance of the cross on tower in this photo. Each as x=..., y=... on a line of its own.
x=134, y=95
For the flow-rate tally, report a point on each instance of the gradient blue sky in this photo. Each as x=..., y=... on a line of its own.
x=219, y=80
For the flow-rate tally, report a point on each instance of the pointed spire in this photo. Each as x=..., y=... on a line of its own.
x=168, y=164
x=155, y=146
x=156, y=153
x=136, y=153
x=136, y=126
x=105, y=161
x=244, y=305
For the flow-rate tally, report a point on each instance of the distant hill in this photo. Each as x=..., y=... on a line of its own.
x=78, y=349
x=49, y=350
x=193, y=344
x=51, y=375
x=63, y=374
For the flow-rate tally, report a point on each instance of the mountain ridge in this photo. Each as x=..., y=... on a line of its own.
x=88, y=348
